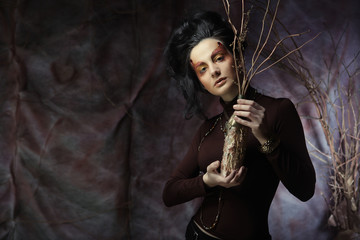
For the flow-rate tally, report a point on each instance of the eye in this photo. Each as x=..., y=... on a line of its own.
x=202, y=69
x=219, y=58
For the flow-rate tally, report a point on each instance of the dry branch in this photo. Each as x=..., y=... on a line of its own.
x=336, y=99
x=234, y=145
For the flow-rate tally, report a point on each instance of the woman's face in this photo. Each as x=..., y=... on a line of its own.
x=214, y=67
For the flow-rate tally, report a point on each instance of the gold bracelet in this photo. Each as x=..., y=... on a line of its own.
x=270, y=145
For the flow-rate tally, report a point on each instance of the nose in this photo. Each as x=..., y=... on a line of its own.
x=214, y=70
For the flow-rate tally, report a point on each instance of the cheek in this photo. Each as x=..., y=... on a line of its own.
x=230, y=60
x=203, y=78
x=229, y=64
x=205, y=83
x=202, y=81
x=198, y=75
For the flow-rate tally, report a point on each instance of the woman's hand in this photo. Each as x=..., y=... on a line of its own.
x=213, y=178
x=251, y=114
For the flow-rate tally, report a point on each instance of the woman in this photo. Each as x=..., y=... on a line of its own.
x=235, y=206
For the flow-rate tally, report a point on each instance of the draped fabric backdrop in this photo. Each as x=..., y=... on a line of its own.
x=91, y=126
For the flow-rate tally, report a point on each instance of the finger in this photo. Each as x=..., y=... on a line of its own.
x=251, y=103
x=247, y=118
x=251, y=123
x=246, y=122
x=230, y=177
x=253, y=108
x=213, y=166
x=240, y=171
x=247, y=111
x=233, y=182
x=240, y=176
x=249, y=108
x=244, y=101
x=244, y=114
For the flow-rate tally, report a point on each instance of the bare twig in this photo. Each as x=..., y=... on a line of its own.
x=239, y=37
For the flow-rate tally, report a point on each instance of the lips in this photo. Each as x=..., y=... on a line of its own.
x=220, y=82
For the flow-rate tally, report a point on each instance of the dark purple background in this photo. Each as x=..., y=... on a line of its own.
x=91, y=126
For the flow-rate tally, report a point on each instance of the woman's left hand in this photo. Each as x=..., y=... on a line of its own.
x=251, y=114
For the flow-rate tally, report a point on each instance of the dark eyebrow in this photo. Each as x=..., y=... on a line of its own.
x=217, y=50
x=196, y=64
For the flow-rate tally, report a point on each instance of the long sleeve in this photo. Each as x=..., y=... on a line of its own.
x=185, y=183
x=290, y=160
x=244, y=209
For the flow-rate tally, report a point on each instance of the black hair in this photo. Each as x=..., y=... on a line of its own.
x=184, y=38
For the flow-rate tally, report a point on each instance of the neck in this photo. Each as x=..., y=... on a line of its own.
x=231, y=95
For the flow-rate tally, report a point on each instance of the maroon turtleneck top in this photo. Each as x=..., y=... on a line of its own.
x=244, y=209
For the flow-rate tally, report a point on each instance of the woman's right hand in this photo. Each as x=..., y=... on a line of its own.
x=213, y=178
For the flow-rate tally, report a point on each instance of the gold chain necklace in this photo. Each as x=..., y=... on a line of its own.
x=213, y=225
x=220, y=194
x=210, y=130
x=216, y=217
x=222, y=129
